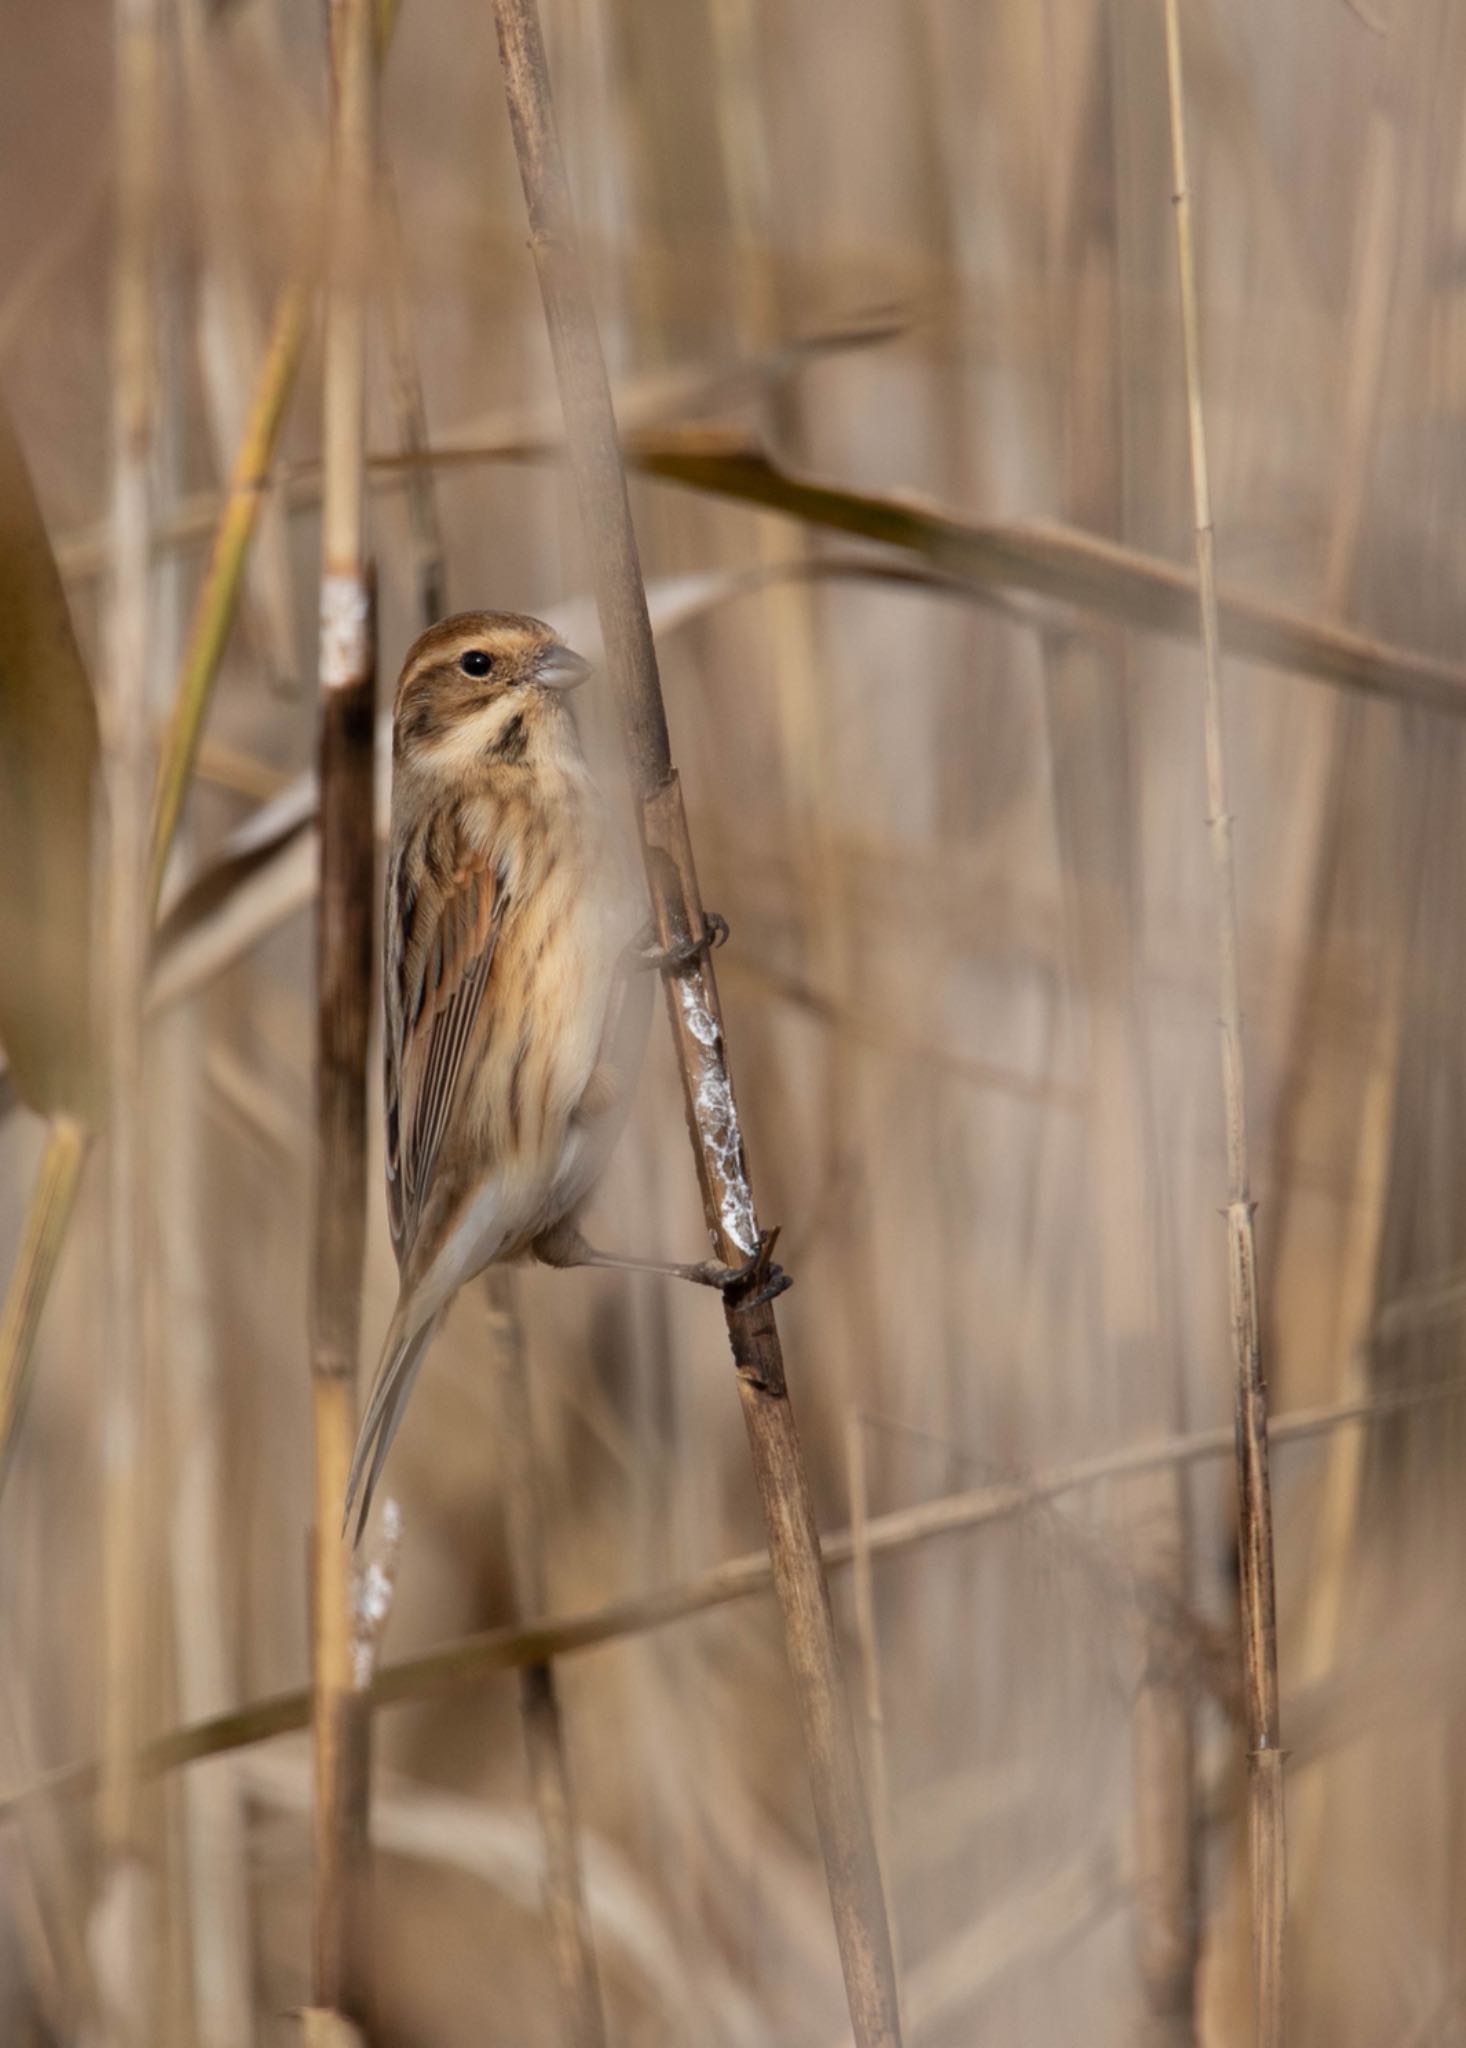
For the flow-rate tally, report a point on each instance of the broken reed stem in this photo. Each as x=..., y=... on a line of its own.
x=1259, y=1621
x=600, y=479
x=344, y=983
x=566, y=1916
x=471, y=1659
x=125, y=1989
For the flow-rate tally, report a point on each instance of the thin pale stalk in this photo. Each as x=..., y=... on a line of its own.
x=840, y=1809
x=1094, y=810
x=227, y=327
x=1259, y=1621
x=206, y=1903
x=122, y=1917
x=471, y=1659
x=428, y=554
x=343, y=975
x=868, y=1638
x=571, y=1945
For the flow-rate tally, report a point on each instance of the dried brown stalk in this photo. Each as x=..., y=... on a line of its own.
x=600, y=478
x=471, y=1659
x=1259, y=1621
x=344, y=981
x=568, y=1921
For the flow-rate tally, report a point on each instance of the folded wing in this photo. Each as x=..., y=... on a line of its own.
x=443, y=921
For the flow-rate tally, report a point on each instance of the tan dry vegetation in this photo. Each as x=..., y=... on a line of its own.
x=888, y=296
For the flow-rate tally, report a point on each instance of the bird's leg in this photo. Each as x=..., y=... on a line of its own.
x=645, y=952
x=564, y=1246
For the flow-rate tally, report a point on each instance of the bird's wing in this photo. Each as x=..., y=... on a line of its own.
x=441, y=938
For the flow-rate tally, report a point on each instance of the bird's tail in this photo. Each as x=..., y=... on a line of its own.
x=402, y=1354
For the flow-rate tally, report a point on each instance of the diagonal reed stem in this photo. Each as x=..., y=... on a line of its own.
x=1259, y=1621
x=471, y=1659
x=600, y=480
x=218, y=598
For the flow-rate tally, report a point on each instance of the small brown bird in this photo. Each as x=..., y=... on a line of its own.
x=515, y=1012
x=512, y=1032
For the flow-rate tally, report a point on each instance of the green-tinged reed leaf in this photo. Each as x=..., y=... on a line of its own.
x=48, y=762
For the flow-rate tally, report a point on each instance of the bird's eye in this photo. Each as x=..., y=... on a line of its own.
x=475, y=662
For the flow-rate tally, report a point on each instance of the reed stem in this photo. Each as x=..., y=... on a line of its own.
x=566, y=1916
x=124, y=1902
x=594, y=451
x=344, y=986
x=1259, y=1621
x=471, y=1659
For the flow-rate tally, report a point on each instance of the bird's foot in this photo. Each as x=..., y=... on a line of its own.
x=648, y=953
x=756, y=1281
x=750, y=1285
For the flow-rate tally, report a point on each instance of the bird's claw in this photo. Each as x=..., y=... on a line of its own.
x=756, y=1281
x=672, y=959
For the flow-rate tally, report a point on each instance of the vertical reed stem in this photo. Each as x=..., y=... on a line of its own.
x=1094, y=808
x=566, y=1916
x=600, y=479
x=122, y=1926
x=1259, y=1623
x=344, y=974
x=428, y=554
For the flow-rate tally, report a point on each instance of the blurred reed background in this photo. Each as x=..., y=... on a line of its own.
x=889, y=300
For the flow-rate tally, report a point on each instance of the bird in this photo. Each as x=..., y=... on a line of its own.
x=515, y=1005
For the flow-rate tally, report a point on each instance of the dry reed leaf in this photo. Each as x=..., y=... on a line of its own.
x=48, y=758
x=1051, y=561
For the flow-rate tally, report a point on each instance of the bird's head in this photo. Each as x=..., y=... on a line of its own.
x=476, y=688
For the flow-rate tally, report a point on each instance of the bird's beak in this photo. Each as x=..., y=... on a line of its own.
x=558, y=668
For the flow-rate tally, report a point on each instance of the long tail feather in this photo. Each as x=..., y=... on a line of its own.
x=402, y=1354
